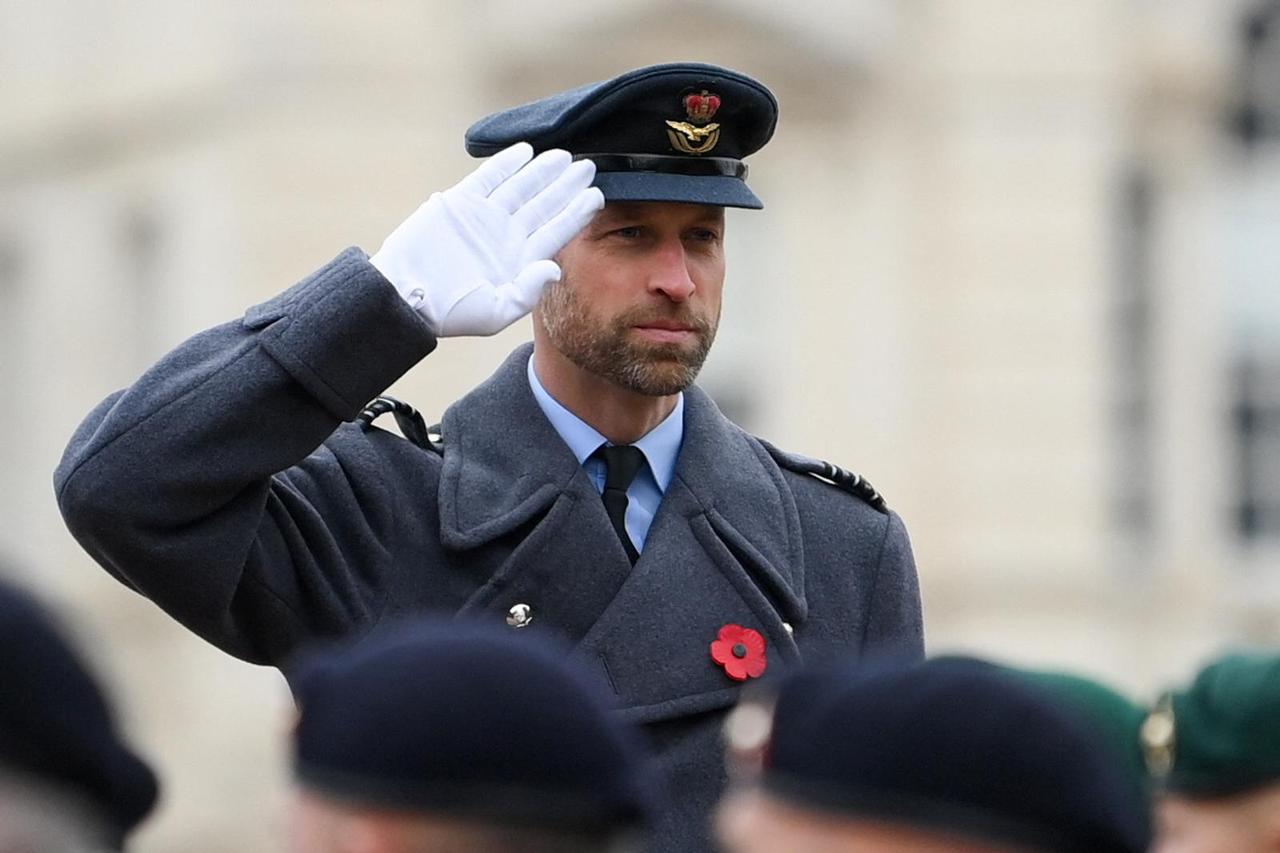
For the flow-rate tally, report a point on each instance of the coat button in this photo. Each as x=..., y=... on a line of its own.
x=786, y=626
x=519, y=616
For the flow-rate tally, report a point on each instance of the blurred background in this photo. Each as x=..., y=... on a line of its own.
x=1019, y=266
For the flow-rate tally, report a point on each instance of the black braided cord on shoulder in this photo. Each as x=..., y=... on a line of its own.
x=408, y=419
x=854, y=484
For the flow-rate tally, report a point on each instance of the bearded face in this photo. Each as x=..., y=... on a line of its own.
x=616, y=347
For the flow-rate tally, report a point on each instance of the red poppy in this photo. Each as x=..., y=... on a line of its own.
x=740, y=651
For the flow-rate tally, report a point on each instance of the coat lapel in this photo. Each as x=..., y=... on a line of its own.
x=746, y=501
x=504, y=463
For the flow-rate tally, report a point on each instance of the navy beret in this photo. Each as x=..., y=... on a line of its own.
x=675, y=132
x=953, y=745
x=1114, y=716
x=467, y=721
x=55, y=724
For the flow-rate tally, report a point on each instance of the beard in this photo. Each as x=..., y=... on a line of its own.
x=608, y=349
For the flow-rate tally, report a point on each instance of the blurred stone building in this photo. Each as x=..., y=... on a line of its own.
x=1018, y=266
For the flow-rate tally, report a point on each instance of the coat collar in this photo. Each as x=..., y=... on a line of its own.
x=503, y=461
x=504, y=464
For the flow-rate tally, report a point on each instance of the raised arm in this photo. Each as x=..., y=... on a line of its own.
x=208, y=484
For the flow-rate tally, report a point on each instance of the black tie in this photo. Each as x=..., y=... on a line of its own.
x=621, y=464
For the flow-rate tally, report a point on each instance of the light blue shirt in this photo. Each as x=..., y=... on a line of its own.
x=661, y=447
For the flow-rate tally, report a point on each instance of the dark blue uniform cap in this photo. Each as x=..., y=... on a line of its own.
x=55, y=724
x=675, y=132
x=466, y=721
x=956, y=746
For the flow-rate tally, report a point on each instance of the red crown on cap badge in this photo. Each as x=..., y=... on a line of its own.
x=699, y=134
x=701, y=106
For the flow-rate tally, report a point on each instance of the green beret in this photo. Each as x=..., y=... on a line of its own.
x=1220, y=736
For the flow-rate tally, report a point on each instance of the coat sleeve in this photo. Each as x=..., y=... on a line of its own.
x=205, y=485
x=894, y=620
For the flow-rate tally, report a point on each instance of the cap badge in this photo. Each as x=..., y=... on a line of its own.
x=696, y=136
x=741, y=651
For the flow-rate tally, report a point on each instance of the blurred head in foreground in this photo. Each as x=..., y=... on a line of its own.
x=948, y=755
x=428, y=737
x=1214, y=749
x=1115, y=717
x=67, y=780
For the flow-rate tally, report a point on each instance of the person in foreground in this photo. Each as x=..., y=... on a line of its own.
x=69, y=783
x=1113, y=715
x=588, y=489
x=951, y=755
x=437, y=737
x=1214, y=750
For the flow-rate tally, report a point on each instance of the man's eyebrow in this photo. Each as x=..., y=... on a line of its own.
x=616, y=210
x=634, y=209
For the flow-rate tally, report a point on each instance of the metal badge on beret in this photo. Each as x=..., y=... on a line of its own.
x=1159, y=733
x=696, y=136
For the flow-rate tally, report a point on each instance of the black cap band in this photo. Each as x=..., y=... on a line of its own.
x=722, y=166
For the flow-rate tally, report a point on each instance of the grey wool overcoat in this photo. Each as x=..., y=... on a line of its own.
x=229, y=486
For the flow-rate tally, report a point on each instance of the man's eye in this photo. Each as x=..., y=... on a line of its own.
x=630, y=232
x=705, y=235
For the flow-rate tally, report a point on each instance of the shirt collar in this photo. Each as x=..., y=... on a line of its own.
x=660, y=445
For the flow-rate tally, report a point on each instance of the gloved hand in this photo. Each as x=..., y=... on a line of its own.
x=473, y=259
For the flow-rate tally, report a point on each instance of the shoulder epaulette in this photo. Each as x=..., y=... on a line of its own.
x=408, y=419
x=854, y=484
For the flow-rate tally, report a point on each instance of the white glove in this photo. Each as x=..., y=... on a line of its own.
x=474, y=259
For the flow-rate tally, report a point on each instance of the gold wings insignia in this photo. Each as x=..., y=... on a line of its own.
x=692, y=132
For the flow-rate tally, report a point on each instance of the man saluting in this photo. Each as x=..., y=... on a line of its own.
x=587, y=489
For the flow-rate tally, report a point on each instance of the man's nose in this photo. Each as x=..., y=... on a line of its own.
x=670, y=275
